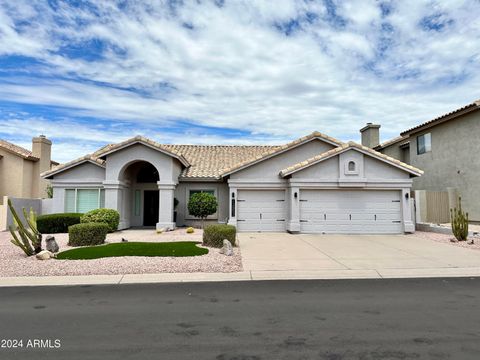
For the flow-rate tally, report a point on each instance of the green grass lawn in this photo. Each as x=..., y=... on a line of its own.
x=180, y=248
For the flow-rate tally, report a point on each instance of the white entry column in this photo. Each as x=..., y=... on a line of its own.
x=293, y=195
x=409, y=226
x=114, y=199
x=165, y=211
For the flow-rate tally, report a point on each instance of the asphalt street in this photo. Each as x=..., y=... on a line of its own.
x=332, y=319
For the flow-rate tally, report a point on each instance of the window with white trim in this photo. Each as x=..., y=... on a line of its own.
x=84, y=200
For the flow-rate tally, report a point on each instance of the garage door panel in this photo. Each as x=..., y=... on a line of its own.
x=261, y=210
x=349, y=211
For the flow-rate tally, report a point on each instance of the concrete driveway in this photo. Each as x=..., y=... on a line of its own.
x=366, y=255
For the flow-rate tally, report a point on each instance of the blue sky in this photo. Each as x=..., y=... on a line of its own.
x=230, y=72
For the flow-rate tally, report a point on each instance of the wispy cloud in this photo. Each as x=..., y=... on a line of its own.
x=233, y=71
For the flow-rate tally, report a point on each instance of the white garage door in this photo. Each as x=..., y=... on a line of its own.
x=350, y=212
x=261, y=210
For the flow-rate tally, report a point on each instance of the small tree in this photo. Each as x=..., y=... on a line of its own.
x=202, y=205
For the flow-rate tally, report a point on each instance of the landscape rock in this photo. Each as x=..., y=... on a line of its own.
x=44, y=255
x=227, y=248
x=161, y=230
x=51, y=244
x=124, y=240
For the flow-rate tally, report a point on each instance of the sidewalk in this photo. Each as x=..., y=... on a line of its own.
x=239, y=276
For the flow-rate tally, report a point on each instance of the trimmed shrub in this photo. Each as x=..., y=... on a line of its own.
x=57, y=223
x=190, y=230
x=87, y=234
x=202, y=205
x=213, y=235
x=108, y=216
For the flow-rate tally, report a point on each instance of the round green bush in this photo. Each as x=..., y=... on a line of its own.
x=202, y=205
x=87, y=234
x=57, y=223
x=213, y=235
x=108, y=216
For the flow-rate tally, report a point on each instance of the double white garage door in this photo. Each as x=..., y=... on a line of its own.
x=323, y=211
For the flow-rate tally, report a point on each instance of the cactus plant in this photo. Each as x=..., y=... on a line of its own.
x=459, y=220
x=28, y=238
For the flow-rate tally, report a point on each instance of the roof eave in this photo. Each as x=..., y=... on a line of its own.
x=441, y=119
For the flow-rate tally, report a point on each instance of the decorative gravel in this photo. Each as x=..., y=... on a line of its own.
x=13, y=261
x=447, y=239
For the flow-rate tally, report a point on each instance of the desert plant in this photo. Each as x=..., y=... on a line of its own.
x=57, y=223
x=202, y=204
x=110, y=217
x=49, y=191
x=29, y=239
x=87, y=234
x=190, y=230
x=213, y=235
x=459, y=221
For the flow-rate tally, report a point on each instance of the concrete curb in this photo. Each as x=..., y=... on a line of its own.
x=238, y=276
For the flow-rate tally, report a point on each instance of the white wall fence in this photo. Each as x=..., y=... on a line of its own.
x=40, y=206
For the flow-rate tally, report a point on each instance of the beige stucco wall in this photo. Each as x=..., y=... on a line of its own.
x=16, y=175
x=453, y=161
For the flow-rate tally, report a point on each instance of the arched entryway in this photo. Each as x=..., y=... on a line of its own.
x=142, y=194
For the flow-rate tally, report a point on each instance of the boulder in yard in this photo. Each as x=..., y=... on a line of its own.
x=227, y=248
x=52, y=245
x=44, y=255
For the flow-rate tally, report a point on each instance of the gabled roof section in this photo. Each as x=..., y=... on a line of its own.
x=445, y=117
x=280, y=149
x=208, y=161
x=63, y=167
x=345, y=147
x=18, y=150
x=109, y=149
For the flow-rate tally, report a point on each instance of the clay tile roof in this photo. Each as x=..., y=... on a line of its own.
x=209, y=161
x=281, y=148
x=445, y=117
x=342, y=148
x=201, y=161
x=24, y=153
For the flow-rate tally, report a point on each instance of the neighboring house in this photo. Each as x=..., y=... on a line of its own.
x=314, y=184
x=447, y=148
x=20, y=169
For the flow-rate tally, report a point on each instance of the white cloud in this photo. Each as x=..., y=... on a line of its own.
x=231, y=67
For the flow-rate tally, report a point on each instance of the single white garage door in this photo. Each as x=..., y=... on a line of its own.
x=350, y=211
x=261, y=210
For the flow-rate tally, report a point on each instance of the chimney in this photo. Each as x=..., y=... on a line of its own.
x=370, y=135
x=42, y=149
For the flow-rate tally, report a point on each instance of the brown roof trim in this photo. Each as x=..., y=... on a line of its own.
x=281, y=149
x=442, y=118
x=345, y=147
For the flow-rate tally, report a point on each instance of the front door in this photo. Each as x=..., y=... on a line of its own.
x=150, y=207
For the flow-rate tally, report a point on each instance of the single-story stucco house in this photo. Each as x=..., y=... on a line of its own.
x=315, y=184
